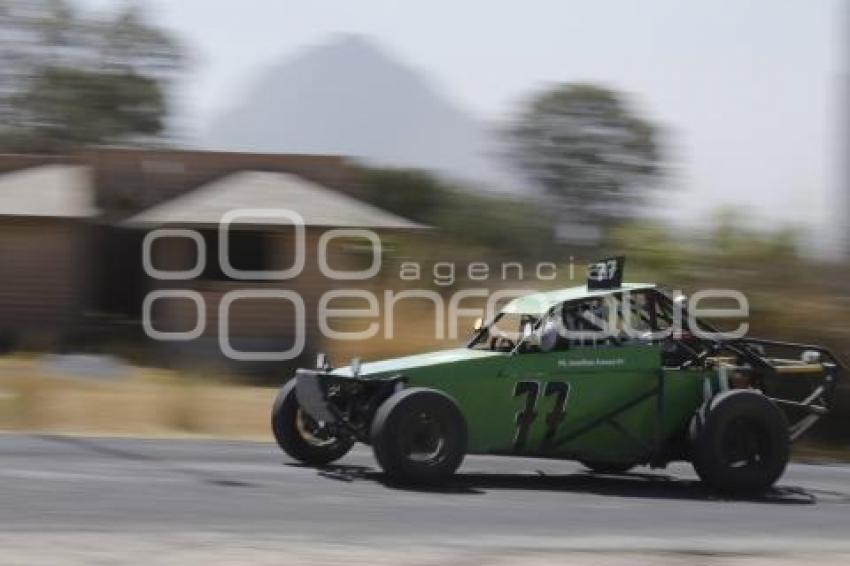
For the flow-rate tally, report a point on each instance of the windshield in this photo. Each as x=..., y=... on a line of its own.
x=591, y=321
x=503, y=333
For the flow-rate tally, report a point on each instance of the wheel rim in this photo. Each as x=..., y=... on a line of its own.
x=745, y=444
x=312, y=431
x=423, y=438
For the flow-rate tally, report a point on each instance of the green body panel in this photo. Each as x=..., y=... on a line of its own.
x=600, y=381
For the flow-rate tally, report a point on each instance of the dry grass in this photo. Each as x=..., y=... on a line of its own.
x=155, y=402
x=145, y=402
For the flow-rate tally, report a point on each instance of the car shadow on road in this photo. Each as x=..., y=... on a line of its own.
x=636, y=485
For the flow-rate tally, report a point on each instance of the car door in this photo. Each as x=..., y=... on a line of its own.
x=591, y=399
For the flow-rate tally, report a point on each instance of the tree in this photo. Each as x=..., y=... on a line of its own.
x=412, y=193
x=66, y=80
x=588, y=150
x=502, y=225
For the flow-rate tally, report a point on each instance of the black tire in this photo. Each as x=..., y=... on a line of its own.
x=740, y=442
x=607, y=467
x=292, y=429
x=419, y=436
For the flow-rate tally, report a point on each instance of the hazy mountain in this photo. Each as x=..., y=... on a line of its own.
x=350, y=97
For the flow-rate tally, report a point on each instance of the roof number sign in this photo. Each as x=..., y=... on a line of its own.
x=606, y=273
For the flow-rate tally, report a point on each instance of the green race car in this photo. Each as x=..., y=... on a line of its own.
x=610, y=374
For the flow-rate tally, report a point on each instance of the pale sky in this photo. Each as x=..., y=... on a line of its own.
x=749, y=91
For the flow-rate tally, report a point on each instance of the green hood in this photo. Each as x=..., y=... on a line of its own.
x=418, y=361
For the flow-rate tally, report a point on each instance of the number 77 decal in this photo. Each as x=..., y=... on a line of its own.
x=526, y=417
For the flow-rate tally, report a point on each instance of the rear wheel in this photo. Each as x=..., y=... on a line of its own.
x=419, y=436
x=740, y=442
x=300, y=435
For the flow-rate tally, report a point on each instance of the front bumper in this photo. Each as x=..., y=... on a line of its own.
x=344, y=402
x=311, y=388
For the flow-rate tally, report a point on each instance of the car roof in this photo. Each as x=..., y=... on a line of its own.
x=539, y=303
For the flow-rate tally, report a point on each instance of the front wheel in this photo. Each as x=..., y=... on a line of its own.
x=740, y=442
x=419, y=436
x=301, y=436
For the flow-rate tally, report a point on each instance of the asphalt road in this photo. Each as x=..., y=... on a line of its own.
x=64, y=490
